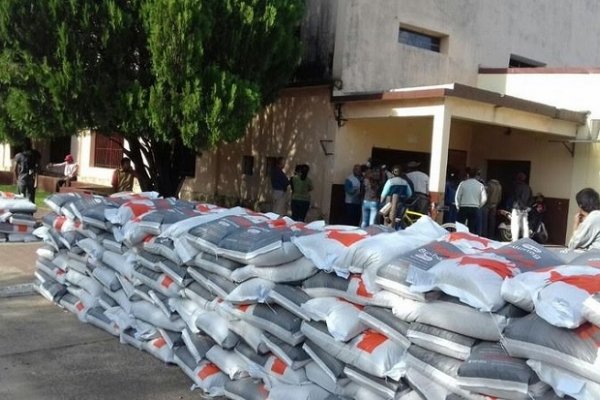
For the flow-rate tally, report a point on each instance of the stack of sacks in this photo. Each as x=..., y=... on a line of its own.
x=561, y=338
x=16, y=218
x=452, y=315
x=351, y=352
x=253, y=306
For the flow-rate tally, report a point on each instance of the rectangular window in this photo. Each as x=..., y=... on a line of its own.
x=108, y=151
x=418, y=39
x=248, y=165
x=271, y=162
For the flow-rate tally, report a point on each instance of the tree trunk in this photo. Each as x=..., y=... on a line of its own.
x=158, y=165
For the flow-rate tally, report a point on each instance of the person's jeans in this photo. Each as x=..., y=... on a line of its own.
x=27, y=189
x=491, y=232
x=519, y=222
x=369, y=212
x=299, y=209
x=468, y=215
x=279, y=203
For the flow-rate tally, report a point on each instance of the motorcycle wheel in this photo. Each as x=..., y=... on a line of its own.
x=505, y=235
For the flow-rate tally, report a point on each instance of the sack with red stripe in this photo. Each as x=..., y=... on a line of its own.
x=576, y=350
x=370, y=351
x=6, y=227
x=476, y=279
x=270, y=368
x=353, y=290
x=557, y=294
x=250, y=238
x=449, y=313
x=470, y=243
x=340, y=316
x=206, y=375
x=326, y=247
x=158, y=348
x=377, y=250
x=393, y=275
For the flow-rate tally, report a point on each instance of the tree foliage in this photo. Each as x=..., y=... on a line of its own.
x=165, y=74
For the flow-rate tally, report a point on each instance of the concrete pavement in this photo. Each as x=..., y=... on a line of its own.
x=46, y=353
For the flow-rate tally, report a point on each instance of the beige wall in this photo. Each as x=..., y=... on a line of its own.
x=483, y=33
x=5, y=160
x=292, y=127
x=357, y=138
x=576, y=91
x=551, y=164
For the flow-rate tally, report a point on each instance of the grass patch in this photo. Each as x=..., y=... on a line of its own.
x=39, y=195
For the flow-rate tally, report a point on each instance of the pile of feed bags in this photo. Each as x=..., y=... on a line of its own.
x=253, y=306
x=16, y=218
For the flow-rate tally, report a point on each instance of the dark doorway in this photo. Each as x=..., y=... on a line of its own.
x=457, y=161
x=505, y=171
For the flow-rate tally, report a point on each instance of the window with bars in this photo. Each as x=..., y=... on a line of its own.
x=420, y=39
x=108, y=151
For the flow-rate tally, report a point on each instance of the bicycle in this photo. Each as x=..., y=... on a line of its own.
x=402, y=216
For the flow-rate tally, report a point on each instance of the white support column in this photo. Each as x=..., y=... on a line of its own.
x=440, y=139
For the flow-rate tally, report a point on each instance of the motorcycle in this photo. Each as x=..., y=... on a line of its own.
x=537, y=228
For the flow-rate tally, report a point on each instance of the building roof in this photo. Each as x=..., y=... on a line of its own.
x=468, y=93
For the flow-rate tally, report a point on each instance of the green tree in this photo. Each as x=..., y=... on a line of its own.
x=168, y=75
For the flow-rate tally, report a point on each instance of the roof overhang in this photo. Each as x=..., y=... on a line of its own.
x=464, y=92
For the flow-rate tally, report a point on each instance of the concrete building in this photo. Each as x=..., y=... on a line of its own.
x=452, y=84
x=504, y=86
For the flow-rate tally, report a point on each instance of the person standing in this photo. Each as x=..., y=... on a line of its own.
x=301, y=188
x=420, y=181
x=27, y=167
x=450, y=197
x=470, y=197
x=519, y=222
x=69, y=172
x=352, y=196
x=279, y=185
x=586, y=227
x=370, y=205
x=394, y=186
x=122, y=179
x=494, y=195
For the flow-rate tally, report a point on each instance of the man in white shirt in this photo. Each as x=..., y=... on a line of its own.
x=470, y=197
x=586, y=228
x=420, y=182
x=70, y=171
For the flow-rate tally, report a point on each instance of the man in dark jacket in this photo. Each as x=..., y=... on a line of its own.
x=279, y=185
x=27, y=167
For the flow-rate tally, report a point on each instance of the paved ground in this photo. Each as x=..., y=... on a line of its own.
x=46, y=353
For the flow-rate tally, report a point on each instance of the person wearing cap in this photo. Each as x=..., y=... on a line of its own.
x=69, y=172
x=519, y=222
x=420, y=181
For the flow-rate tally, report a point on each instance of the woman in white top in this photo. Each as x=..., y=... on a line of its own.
x=70, y=171
x=586, y=229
